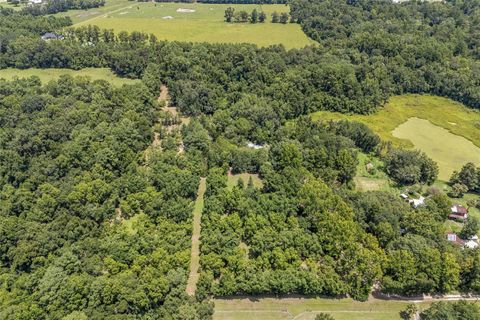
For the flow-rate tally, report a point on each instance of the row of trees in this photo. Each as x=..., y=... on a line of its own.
x=442, y=310
x=55, y=6
x=242, y=16
x=228, y=1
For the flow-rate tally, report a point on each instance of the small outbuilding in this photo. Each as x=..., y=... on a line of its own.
x=455, y=239
x=255, y=146
x=470, y=244
x=458, y=212
x=417, y=202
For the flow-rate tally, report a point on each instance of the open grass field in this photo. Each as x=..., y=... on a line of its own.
x=5, y=4
x=47, y=75
x=374, y=180
x=451, y=136
x=233, y=180
x=206, y=24
x=307, y=308
x=447, y=149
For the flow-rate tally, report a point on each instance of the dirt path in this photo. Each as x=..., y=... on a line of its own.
x=104, y=14
x=195, y=255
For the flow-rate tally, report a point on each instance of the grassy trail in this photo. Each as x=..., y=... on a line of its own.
x=105, y=14
x=195, y=255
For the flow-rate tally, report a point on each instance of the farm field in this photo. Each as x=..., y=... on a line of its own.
x=47, y=75
x=457, y=126
x=206, y=24
x=307, y=308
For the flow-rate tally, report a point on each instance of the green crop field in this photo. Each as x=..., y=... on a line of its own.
x=47, y=75
x=206, y=24
x=307, y=308
x=451, y=136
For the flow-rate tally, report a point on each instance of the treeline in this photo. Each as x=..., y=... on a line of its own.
x=243, y=16
x=443, y=310
x=88, y=228
x=466, y=180
x=424, y=46
x=298, y=81
x=226, y=1
x=55, y=6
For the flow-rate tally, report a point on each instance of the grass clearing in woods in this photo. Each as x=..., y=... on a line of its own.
x=206, y=24
x=440, y=137
x=195, y=253
x=374, y=179
x=233, y=180
x=49, y=74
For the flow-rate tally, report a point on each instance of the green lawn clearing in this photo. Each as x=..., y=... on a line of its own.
x=206, y=24
x=195, y=251
x=233, y=180
x=307, y=308
x=451, y=136
x=374, y=179
x=47, y=75
x=5, y=4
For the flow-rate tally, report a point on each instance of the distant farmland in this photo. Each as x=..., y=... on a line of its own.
x=206, y=24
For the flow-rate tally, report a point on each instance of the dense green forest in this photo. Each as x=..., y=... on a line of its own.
x=71, y=172
x=92, y=227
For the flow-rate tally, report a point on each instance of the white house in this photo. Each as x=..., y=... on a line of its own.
x=417, y=202
x=255, y=146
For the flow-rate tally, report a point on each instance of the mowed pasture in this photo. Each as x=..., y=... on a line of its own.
x=307, y=308
x=206, y=24
x=445, y=130
x=47, y=75
x=447, y=149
